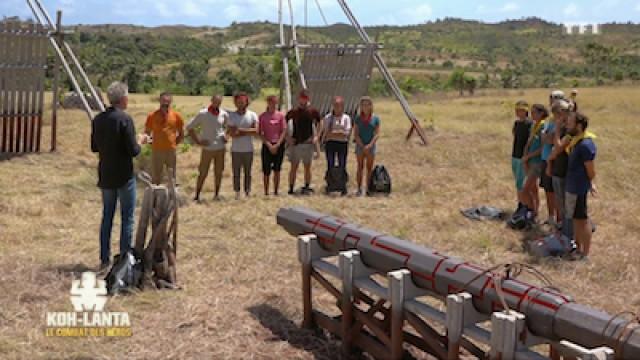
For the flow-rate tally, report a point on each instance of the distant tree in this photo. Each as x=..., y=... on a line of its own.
x=457, y=80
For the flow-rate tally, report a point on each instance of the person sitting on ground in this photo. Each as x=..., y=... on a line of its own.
x=302, y=140
x=336, y=131
x=579, y=183
x=272, y=128
x=366, y=134
x=211, y=122
x=532, y=161
x=243, y=125
x=521, y=131
x=113, y=138
x=166, y=127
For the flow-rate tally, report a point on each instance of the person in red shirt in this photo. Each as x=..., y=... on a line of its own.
x=272, y=128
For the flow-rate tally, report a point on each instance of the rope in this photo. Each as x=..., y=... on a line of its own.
x=324, y=18
x=511, y=271
x=628, y=328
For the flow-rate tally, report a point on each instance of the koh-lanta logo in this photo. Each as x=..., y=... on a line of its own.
x=582, y=29
x=88, y=297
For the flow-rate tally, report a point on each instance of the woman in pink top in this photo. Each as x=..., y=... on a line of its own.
x=272, y=129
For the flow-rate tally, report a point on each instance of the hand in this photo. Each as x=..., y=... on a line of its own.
x=316, y=155
x=594, y=190
x=143, y=139
x=273, y=149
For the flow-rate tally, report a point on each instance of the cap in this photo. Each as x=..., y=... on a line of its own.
x=522, y=105
x=557, y=94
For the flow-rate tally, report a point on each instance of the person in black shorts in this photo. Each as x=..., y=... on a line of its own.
x=272, y=128
x=580, y=174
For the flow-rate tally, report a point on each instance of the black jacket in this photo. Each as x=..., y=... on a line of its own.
x=113, y=136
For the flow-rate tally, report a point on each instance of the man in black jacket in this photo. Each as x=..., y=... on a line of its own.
x=113, y=137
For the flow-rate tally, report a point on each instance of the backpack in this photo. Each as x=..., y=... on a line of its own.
x=554, y=245
x=337, y=179
x=125, y=274
x=380, y=181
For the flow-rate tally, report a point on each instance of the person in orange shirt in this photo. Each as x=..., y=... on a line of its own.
x=166, y=128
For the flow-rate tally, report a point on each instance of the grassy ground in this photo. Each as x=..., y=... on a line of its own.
x=241, y=297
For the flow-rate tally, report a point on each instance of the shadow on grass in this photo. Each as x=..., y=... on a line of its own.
x=71, y=269
x=9, y=156
x=283, y=329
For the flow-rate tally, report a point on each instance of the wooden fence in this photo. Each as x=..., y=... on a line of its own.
x=23, y=60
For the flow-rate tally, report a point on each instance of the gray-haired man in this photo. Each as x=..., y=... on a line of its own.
x=113, y=137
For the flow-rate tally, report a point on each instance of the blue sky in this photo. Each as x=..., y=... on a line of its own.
x=369, y=12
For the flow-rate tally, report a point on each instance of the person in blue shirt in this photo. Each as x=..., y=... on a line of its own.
x=366, y=133
x=579, y=182
x=532, y=160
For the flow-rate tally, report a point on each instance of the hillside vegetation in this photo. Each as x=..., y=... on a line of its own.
x=512, y=54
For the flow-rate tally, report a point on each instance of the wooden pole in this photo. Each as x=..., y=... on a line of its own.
x=56, y=79
x=285, y=59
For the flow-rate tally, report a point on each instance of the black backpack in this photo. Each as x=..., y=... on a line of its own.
x=125, y=274
x=380, y=181
x=337, y=179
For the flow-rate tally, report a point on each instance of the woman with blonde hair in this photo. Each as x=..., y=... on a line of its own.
x=366, y=134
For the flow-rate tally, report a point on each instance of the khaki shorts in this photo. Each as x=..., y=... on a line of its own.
x=301, y=153
x=217, y=156
x=535, y=170
x=161, y=159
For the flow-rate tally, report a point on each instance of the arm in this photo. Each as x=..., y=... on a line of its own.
x=376, y=135
x=130, y=141
x=251, y=131
x=356, y=136
x=94, y=143
x=591, y=169
x=559, y=147
x=180, y=125
x=148, y=125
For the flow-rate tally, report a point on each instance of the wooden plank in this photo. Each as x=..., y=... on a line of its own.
x=21, y=70
x=3, y=88
x=40, y=88
x=11, y=50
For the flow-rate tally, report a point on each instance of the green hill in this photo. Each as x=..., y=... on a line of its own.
x=511, y=54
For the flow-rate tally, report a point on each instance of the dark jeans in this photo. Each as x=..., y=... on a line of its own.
x=336, y=148
x=127, y=196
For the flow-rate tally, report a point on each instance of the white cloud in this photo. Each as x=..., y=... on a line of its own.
x=571, y=10
x=418, y=14
x=510, y=7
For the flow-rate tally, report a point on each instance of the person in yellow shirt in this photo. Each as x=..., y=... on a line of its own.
x=166, y=128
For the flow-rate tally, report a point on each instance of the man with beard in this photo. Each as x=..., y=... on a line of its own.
x=580, y=174
x=166, y=127
x=302, y=140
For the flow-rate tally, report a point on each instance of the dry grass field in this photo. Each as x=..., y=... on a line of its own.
x=241, y=296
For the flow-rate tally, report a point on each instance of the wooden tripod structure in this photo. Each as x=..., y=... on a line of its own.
x=293, y=45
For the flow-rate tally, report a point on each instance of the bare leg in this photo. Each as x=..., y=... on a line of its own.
x=276, y=182
x=582, y=230
x=265, y=181
x=551, y=204
x=370, y=161
x=360, y=169
x=292, y=175
x=307, y=174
